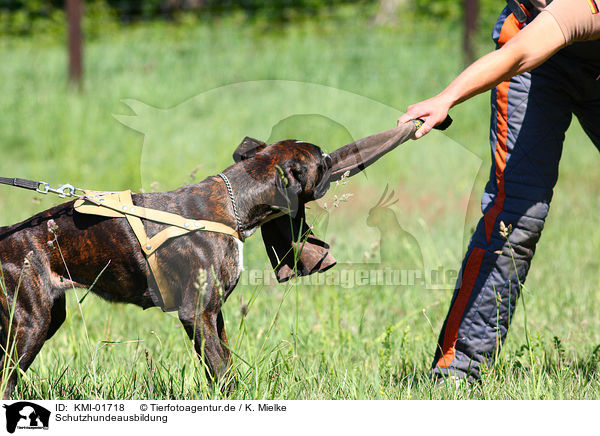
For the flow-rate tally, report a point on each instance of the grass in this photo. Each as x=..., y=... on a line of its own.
x=338, y=79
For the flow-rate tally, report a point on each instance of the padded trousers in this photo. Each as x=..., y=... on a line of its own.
x=530, y=115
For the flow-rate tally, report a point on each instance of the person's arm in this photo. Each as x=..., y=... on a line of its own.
x=533, y=45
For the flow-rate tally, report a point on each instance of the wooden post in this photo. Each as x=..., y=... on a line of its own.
x=75, y=40
x=471, y=10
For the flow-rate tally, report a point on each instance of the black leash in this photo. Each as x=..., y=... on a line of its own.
x=42, y=187
x=20, y=183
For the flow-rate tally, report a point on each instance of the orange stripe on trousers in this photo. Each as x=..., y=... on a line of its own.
x=460, y=304
x=499, y=157
x=509, y=29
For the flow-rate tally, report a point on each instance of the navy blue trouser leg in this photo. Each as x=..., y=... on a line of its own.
x=530, y=114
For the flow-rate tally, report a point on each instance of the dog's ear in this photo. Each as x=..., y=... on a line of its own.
x=290, y=179
x=247, y=148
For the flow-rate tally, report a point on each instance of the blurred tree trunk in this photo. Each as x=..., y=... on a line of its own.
x=75, y=41
x=471, y=11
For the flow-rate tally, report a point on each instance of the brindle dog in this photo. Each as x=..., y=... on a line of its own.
x=265, y=180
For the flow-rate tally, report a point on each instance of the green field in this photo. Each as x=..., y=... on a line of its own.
x=155, y=106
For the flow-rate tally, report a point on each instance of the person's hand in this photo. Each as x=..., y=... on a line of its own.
x=432, y=112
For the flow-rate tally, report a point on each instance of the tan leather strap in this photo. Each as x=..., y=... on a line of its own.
x=116, y=207
x=167, y=295
x=120, y=204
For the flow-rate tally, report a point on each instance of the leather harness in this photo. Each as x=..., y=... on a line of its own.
x=120, y=204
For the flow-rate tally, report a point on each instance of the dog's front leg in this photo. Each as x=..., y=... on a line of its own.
x=200, y=314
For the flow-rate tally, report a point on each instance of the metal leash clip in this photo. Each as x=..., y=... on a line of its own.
x=62, y=191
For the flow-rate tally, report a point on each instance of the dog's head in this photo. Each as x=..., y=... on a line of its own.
x=300, y=171
x=290, y=173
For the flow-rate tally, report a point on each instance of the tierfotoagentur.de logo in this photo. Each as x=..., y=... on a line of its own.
x=25, y=415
